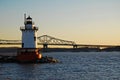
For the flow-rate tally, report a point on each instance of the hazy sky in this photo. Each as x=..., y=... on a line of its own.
x=82, y=21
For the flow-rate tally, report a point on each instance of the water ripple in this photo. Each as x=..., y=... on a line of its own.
x=73, y=66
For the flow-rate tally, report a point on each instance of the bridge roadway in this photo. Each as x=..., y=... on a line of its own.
x=73, y=45
x=79, y=45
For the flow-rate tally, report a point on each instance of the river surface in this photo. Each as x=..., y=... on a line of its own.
x=72, y=66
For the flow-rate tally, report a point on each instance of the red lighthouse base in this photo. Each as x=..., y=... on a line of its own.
x=28, y=55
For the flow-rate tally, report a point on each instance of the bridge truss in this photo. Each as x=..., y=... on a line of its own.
x=49, y=40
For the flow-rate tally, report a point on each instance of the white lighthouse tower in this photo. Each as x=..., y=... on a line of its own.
x=29, y=51
x=29, y=33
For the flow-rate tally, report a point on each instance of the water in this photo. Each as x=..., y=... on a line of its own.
x=73, y=66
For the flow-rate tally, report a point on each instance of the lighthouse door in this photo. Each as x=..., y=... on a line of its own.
x=22, y=45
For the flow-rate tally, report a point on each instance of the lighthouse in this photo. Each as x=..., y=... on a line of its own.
x=29, y=51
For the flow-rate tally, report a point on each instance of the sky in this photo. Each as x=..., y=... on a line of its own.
x=82, y=21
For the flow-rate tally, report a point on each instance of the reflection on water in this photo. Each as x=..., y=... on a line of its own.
x=73, y=66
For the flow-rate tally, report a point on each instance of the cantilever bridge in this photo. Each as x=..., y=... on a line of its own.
x=46, y=40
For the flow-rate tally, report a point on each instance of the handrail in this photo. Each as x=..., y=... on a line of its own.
x=33, y=28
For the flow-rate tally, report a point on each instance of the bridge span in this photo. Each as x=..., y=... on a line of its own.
x=46, y=40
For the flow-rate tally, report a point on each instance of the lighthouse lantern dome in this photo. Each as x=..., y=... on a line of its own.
x=29, y=20
x=29, y=17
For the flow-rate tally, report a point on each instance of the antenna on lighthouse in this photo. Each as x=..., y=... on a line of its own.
x=24, y=18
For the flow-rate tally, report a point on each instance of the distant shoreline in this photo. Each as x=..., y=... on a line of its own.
x=14, y=49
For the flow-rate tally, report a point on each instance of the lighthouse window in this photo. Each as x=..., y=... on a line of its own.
x=22, y=45
x=34, y=38
x=29, y=22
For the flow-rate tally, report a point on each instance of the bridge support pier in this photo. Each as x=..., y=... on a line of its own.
x=45, y=45
x=74, y=46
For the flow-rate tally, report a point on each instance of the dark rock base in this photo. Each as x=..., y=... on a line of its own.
x=12, y=59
